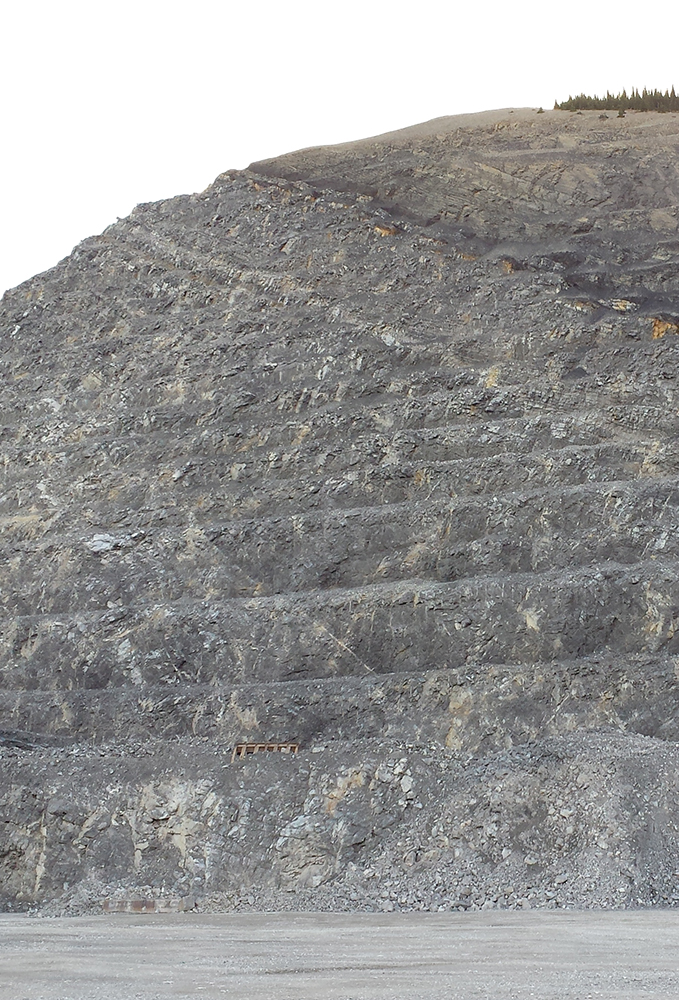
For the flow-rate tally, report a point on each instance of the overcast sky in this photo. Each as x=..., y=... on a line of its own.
x=106, y=104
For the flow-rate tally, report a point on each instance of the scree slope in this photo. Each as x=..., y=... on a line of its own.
x=374, y=448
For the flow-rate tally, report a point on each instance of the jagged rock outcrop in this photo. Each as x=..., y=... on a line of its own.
x=373, y=447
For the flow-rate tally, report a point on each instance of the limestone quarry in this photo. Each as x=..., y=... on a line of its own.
x=372, y=448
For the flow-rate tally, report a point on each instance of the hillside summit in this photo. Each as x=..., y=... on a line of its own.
x=371, y=447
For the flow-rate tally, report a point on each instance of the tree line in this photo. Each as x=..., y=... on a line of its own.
x=646, y=100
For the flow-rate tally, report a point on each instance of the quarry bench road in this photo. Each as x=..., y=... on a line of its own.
x=575, y=955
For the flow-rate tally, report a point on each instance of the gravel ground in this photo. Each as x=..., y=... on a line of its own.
x=354, y=957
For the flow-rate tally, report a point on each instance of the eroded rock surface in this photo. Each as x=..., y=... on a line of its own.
x=371, y=447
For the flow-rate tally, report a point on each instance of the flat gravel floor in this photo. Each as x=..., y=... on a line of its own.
x=292, y=956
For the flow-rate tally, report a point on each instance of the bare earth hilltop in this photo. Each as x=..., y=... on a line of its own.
x=373, y=447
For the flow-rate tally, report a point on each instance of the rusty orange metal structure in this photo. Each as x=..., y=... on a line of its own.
x=245, y=749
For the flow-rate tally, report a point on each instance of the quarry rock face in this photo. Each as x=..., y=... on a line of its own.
x=371, y=448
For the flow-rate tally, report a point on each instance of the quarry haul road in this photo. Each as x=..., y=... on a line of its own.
x=293, y=956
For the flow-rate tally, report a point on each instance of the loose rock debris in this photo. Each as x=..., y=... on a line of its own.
x=372, y=447
x=181, y=905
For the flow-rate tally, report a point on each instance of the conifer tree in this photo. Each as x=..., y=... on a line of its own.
x=646, y=100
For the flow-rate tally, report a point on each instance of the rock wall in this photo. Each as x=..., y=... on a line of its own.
x=371, y=447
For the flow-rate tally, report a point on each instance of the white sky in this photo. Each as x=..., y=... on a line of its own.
x=107, y=103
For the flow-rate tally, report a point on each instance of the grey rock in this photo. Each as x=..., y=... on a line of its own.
x=374, y=448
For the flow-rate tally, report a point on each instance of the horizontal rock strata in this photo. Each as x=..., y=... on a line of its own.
x=372, y=447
